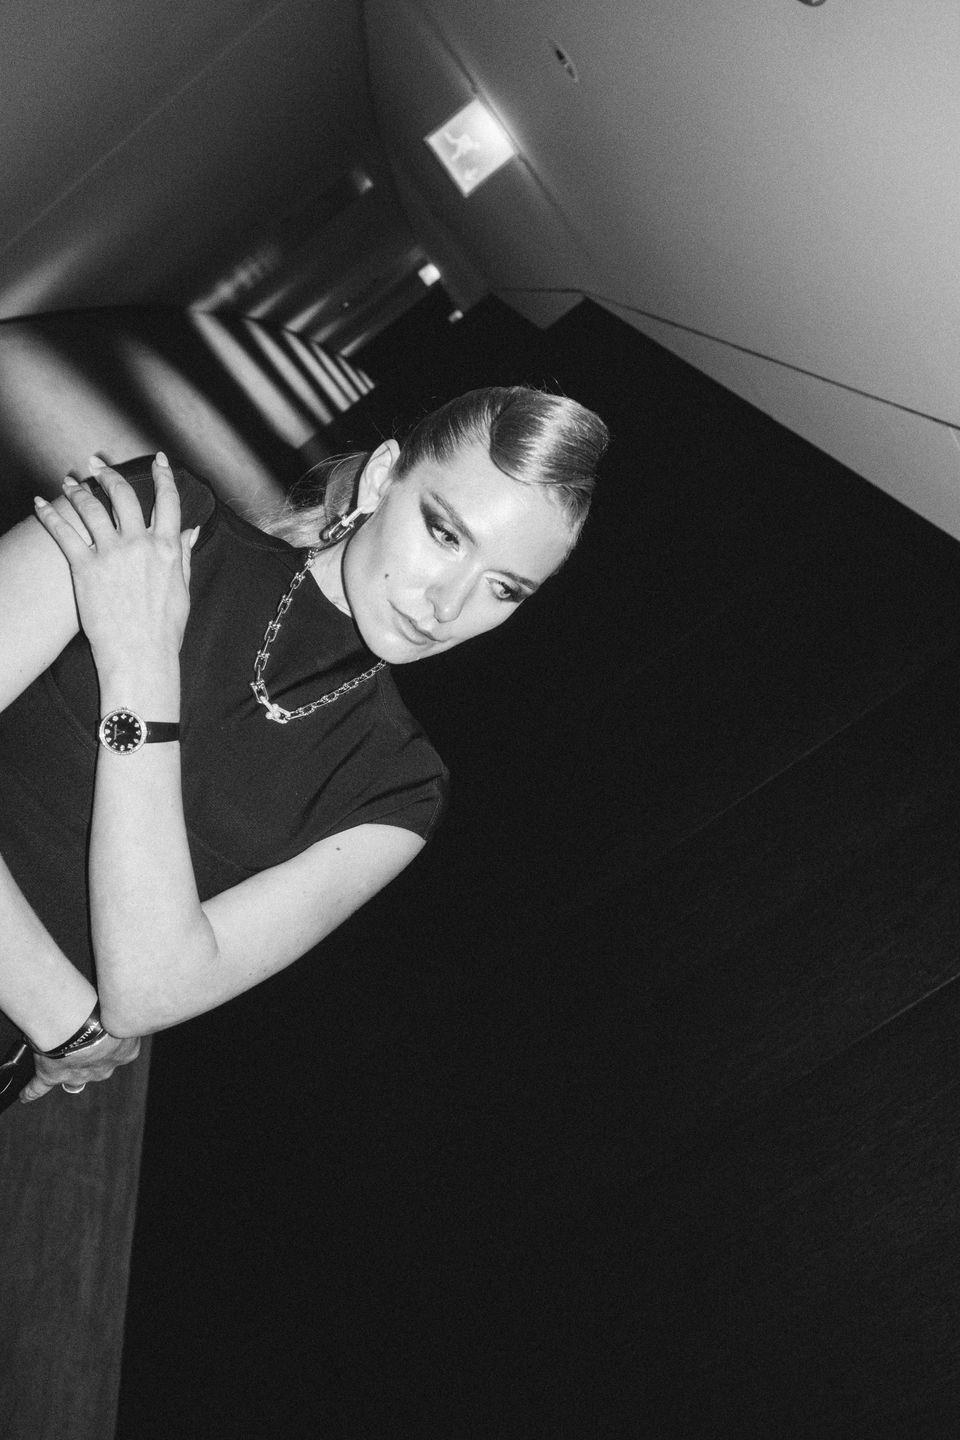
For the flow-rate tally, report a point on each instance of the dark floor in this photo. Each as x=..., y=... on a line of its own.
x=632, y=1110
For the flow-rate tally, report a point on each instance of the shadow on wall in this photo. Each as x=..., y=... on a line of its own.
x=239, y=403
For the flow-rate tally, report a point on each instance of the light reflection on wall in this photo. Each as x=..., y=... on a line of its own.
x=196, y=430
x=289, y=423
x=35, y=291
x=351, y=383
x=288, y=370
x=54, y=414
x=332, y=379
x=122, y=383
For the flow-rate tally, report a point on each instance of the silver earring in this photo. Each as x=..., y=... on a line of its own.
x=343, y=526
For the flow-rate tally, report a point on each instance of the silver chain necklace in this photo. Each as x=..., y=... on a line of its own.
x=258, y=685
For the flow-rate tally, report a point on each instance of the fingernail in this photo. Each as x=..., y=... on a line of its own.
x=40, y=503
x=162, y=460
x=195, y=536
x=71, y=484
x=95, y=463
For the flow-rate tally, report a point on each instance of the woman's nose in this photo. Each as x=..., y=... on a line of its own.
x=447, y=598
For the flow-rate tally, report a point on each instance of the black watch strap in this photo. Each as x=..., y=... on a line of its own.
x=161, y=730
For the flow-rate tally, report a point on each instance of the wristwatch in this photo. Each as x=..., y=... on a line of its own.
x=124, y=732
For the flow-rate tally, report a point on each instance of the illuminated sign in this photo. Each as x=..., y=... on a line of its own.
x=471, y=146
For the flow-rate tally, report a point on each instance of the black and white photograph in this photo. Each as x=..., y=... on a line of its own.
x=479, y=714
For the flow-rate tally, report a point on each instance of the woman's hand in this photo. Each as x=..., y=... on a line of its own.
x=131, y=579
x=96, y=1062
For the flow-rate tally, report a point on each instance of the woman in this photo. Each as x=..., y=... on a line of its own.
x=209, y=767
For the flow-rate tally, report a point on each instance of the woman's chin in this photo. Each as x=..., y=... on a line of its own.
x=394, y=648
x=405, y=652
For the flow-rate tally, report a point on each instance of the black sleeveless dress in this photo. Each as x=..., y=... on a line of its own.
x=255, y=793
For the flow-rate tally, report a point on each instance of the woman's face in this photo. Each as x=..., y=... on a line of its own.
x=450, y=551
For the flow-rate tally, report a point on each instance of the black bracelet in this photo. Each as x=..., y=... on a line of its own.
x=89, y=1033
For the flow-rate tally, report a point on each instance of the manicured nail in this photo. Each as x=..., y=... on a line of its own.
x=162, y=460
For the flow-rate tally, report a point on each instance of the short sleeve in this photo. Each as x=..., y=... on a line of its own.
x=417, y=805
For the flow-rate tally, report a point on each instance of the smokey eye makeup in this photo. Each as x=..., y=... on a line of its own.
x=439, y=527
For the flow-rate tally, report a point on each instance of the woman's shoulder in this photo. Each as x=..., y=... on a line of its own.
x=403, y=779
x=408, y=734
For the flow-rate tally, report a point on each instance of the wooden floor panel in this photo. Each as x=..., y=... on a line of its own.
x=804, y=1258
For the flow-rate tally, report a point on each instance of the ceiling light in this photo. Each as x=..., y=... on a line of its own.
x=471, y=146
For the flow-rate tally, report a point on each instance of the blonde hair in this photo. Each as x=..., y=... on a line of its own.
x=535, y=437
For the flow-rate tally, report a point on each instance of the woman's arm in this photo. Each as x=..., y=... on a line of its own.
x=43, y=994
x=39, y=988
x=38, y=612
x=41, y=991
x=162, y=955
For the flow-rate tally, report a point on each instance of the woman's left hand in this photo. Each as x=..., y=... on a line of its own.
x=76, y=1071
x=131, y=579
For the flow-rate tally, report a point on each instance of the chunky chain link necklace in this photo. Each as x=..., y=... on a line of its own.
x=258, y=685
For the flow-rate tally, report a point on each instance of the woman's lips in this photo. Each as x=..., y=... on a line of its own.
x=411, y=631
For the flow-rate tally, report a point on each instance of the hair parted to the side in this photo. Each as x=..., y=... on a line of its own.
x=534, y=436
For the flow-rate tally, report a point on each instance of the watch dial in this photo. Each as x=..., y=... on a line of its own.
x=123, y=731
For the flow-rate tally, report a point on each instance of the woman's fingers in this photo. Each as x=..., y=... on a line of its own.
x=67, y=512
x=95, y=1064
x=92, y=521
x=166, y=505
x=127, y=514
x=34, y=1089
x=74, y=538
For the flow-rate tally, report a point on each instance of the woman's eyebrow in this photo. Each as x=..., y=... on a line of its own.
x=453, y=516
x=467, y=533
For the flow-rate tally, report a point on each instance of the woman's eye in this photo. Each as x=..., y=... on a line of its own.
x=440, y=532
x=508, y=592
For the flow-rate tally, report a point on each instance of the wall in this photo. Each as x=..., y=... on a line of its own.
x=247, y=406
x=778, y=177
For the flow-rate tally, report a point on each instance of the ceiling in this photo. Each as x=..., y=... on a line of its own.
x=221, y=154
x=769, y=189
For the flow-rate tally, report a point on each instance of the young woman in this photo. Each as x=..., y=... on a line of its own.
x=206, y=766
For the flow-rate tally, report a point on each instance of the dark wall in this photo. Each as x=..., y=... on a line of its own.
x=629, y=1109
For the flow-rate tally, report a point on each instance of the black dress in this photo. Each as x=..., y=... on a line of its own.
x=255, y=793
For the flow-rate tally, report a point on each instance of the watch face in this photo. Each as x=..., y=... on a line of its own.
x=122, y=731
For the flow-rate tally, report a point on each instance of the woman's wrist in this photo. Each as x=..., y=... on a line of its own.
x=62, y=1020
x=153, y=691
x=90, y=1033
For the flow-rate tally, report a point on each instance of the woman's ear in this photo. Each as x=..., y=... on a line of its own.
x=377, y=476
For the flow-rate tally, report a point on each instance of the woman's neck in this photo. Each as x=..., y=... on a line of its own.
x=327, y=570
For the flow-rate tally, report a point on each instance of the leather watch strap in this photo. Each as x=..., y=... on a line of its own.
x=161, y=730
